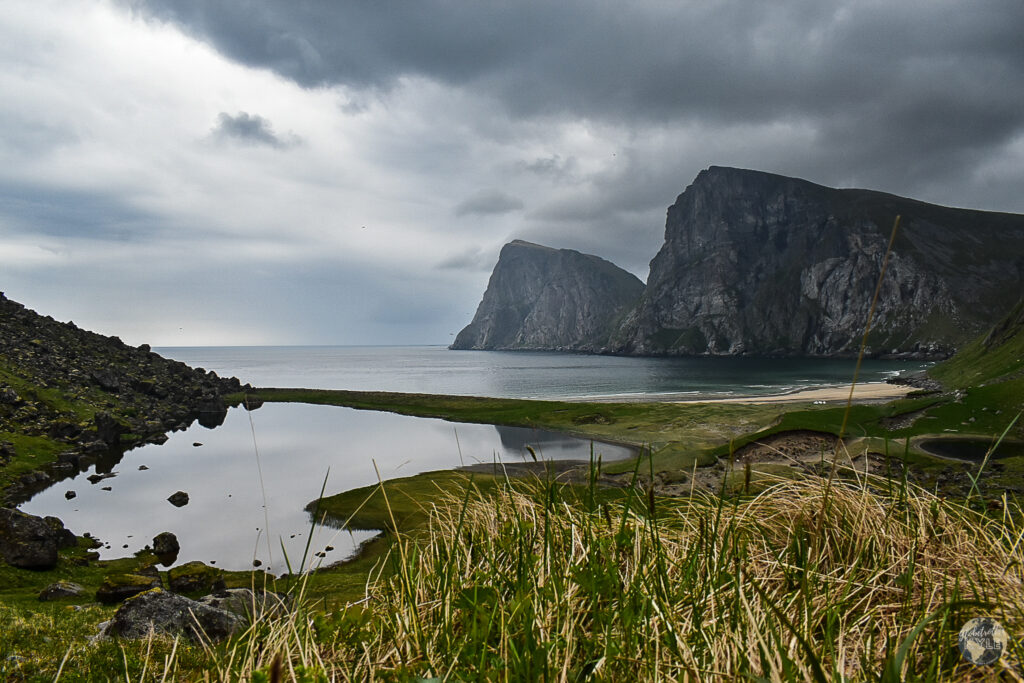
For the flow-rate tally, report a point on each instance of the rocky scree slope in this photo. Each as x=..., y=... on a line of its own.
x=543, y=298
x=68, y=396
x=757, y=263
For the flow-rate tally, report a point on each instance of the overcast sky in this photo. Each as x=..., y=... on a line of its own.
x=193, y=172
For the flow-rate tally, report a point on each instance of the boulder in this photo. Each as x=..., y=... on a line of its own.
x=118, y=587
x=159, y=612
x=30, y=542
x=109, y=429
x=63, y=537
x=166, y=547
x=192, y=577
x=247, y=603
x=60, y=590
x=178, y=499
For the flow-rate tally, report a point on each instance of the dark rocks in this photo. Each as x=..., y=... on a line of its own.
x=109, y=429
x=166, y=547
x=107, y=379
x=97, y=478
x=118, y=587
x=212, y=412
x=61, y=590
x=134, y=394
x=162, y=613
x=178, y=499
x=69, y=494
x=192, y=577
x=31, y=542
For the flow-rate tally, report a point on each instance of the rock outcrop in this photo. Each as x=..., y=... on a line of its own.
x=31, y=542
x=94, y=395
x=759, y=263
x=543, y=298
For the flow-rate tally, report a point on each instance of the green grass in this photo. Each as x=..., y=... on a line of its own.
x=997, y=356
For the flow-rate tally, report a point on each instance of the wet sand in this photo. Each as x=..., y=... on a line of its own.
x=870, y=391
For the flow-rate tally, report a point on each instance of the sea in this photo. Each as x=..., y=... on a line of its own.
x=526, y=374
x=249, y=480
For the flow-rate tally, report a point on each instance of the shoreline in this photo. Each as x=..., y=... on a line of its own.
x=865, y=392
x=862, y=393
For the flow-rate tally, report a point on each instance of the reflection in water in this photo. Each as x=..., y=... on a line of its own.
x=248, y=481
x=554, y=446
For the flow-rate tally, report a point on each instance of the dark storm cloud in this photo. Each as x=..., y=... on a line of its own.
x=488, y=202
x=249, y=129
x=902, y=91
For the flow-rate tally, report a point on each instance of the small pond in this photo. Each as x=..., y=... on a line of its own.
x=970, y=449
x=249, y=480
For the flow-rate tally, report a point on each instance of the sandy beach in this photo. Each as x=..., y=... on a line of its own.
x=870, y=391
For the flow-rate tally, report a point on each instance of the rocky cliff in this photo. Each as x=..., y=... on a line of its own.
x=69, y=397
x=761, y=264
x=758, y=263
x=543, y=298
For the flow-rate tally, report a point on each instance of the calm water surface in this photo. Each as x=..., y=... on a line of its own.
x=437, y=370
x=225, y=521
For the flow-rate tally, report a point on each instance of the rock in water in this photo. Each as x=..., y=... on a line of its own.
x=543, y=298
x=166, y=547
x=178, y=499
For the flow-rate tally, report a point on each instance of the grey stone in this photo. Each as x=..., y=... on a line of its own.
x=162, y=613
x=60, y=590
x=247, y=603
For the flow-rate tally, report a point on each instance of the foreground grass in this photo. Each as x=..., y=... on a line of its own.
x=854, y=579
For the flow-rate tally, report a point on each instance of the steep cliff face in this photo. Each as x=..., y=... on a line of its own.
x=758, y=263
x=543, y=298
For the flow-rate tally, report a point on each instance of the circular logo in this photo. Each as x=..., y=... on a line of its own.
x=982, y=640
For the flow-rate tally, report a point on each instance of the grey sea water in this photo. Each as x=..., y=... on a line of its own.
x=437, y=370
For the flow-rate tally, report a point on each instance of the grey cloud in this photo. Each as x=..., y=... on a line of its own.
x=884, y=83
x=249, y=129
x=75, y=214
x=468, y=259
x=488, y=202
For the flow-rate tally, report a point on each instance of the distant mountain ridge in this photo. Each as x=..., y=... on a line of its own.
x=542, y=298
x=761, y=264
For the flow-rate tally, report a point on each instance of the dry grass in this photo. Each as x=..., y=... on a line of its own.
x=539, y=581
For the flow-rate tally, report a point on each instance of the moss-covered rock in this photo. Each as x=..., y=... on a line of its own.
x=118, y=587
x=192, y=577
